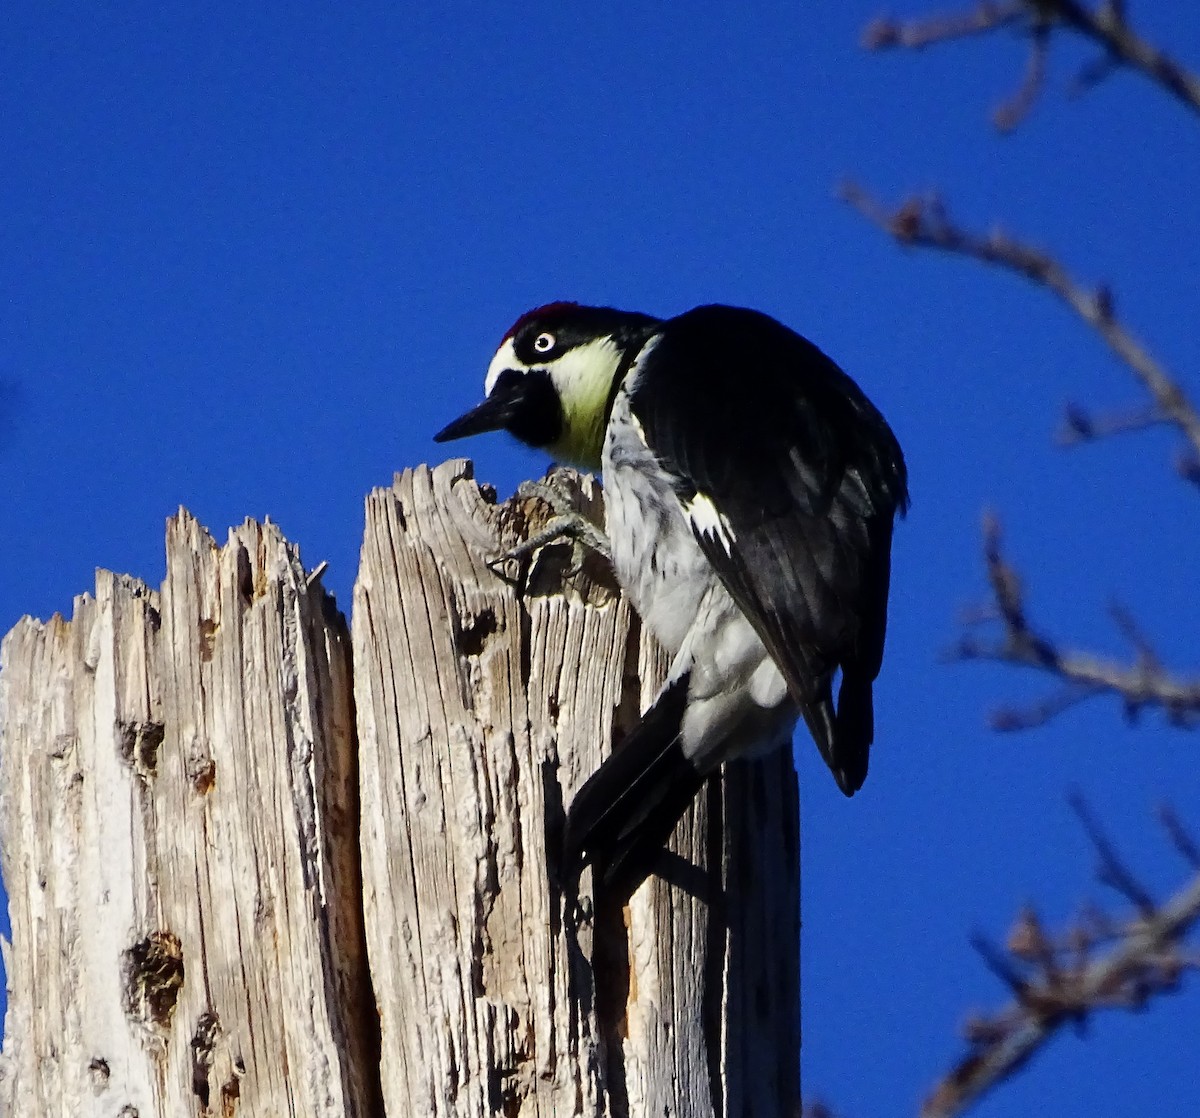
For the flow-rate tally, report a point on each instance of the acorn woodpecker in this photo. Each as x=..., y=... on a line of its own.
x=750, y=489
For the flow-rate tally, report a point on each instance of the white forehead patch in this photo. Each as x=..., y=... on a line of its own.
x=506, y=358
x=707, y=520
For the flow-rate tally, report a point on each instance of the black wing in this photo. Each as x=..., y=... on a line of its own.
x=791, y=479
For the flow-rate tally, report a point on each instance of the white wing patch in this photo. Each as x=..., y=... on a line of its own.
x=707, y=520
x=767, y=685
x=639, y=362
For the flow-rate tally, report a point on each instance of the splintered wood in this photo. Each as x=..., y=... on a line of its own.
x=482, y=705
x=178, y=828
x=188, y=778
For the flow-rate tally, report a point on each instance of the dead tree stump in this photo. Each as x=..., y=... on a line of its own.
x=259, y=864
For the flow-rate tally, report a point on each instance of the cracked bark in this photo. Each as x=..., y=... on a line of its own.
x=178, y=815
x=205, y=922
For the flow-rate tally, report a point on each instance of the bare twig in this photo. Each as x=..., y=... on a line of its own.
x=1082, y=426
x=1108, y=28
x=1179, y=837
x=1147, y=657
x=1111, y=871
x=1010, y=719
x=1105, y=25
x=918, y=33
x=1144, y=682
x=1187, y=466
x=924, y=223
x=1021, y=103
x=1055, y=982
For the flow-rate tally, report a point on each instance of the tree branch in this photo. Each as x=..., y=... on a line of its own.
x=1105, y=25
x=924, y=223
x=1097, y=964
x=1142, y=683
x=1189, y=851
x=916, y=34
x=1082, y=426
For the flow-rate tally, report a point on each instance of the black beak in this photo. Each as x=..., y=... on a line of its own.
x=493, y=414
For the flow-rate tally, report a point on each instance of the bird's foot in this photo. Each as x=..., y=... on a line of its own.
x=566, y=523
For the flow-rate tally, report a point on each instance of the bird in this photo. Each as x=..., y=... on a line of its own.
x=750, y=491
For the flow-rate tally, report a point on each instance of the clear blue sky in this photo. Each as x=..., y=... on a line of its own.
x=252, y=261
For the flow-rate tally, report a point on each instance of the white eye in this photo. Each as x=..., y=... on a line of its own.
x=543, y=343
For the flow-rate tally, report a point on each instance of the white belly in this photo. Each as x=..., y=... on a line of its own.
x=737, y=699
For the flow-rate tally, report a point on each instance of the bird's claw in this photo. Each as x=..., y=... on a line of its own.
x=567, y=523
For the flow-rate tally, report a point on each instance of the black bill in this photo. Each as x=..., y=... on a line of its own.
x=494, y=414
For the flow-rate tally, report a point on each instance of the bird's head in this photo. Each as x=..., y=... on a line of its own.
x=552, y=381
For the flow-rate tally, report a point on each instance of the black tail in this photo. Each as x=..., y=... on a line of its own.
x=844, y=739
x=623, y=815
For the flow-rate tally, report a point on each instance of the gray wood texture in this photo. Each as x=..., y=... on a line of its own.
x=259, y=864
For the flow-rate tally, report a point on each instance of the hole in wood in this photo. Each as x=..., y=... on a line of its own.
x=153, y=976
x=476, y=630
x=139, y=743
x=204, y=1041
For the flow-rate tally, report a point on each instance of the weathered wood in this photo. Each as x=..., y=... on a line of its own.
x=178, y=822
x=180, y=780
x=483, y=703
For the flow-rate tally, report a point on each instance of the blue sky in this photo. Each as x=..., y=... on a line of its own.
x=253, y=261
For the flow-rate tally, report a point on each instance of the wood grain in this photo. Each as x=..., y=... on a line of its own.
x=261, y=863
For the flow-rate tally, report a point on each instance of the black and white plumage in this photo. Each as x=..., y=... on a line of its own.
x=750, y=493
